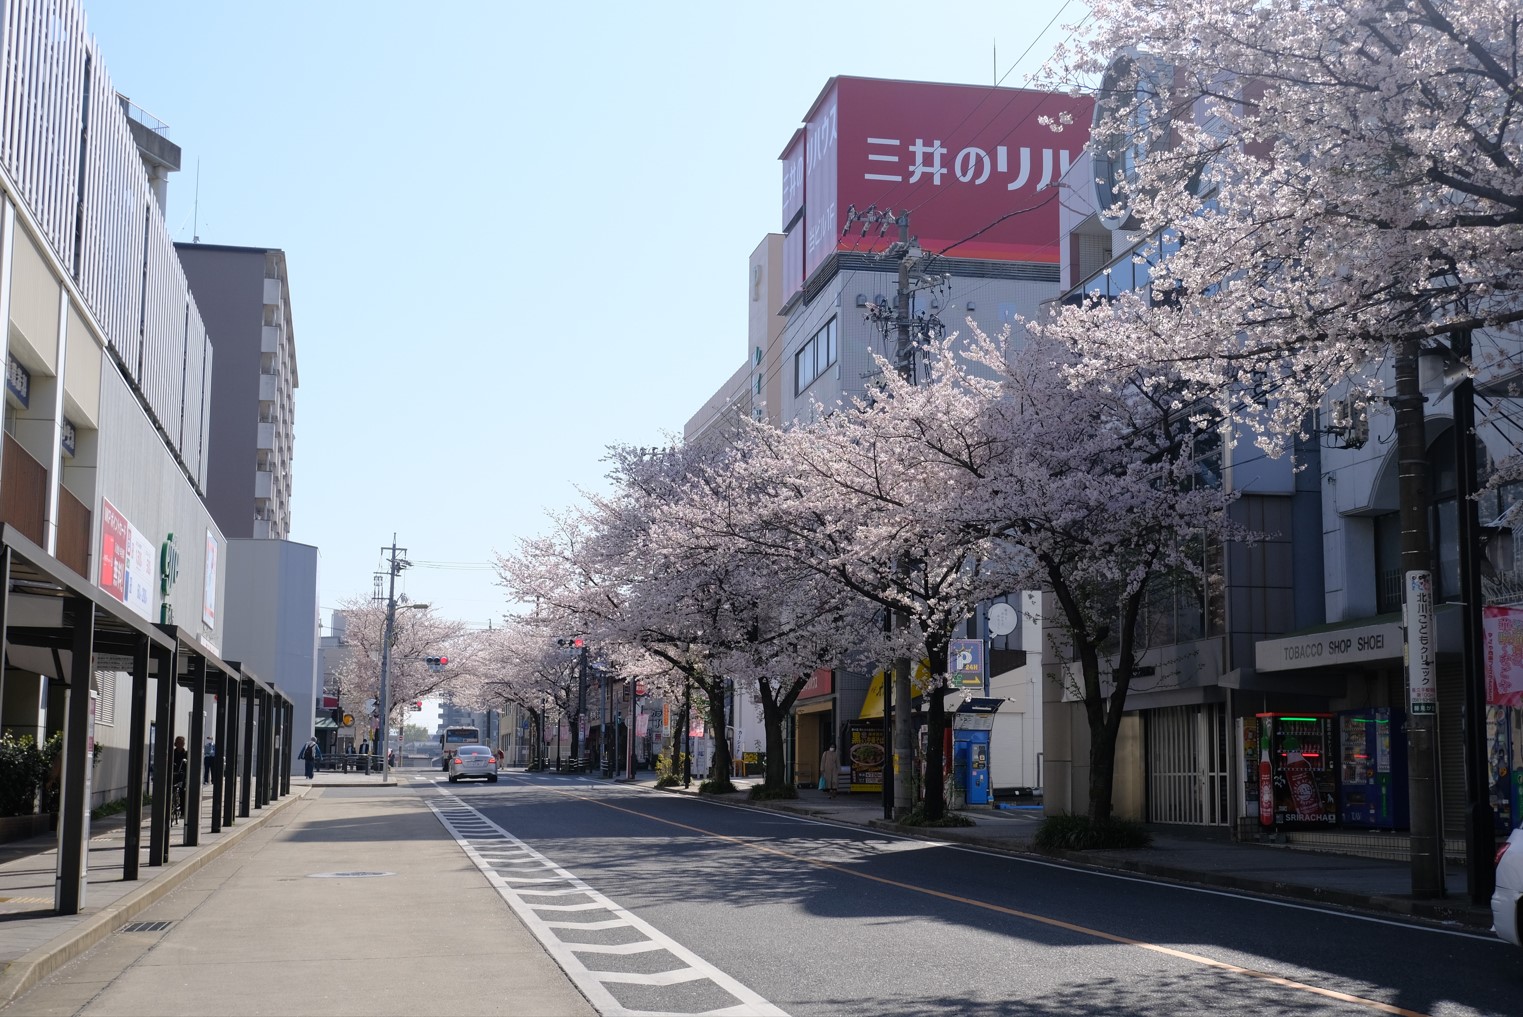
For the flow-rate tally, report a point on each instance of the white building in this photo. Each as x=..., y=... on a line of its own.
x=107, y=550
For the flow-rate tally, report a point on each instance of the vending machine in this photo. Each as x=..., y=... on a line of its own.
x=1295, y=770
x=1372, y=771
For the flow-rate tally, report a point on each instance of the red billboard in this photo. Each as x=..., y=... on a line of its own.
x=974, y=166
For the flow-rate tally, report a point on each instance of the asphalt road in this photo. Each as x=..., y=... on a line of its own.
x=820, y=919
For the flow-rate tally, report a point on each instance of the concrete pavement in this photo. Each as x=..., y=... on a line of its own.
x=302, y=887
x=347, y=896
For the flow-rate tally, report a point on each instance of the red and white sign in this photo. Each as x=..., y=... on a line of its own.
x=126, y=561
x=820, y=683
x=963, y=159
x=1502, y=634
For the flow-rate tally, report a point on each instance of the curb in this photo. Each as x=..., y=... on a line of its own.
x=23, y=973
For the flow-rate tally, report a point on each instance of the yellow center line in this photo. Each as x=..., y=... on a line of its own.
x=1168, y=951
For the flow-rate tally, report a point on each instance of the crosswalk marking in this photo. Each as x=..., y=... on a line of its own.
x=534, y=886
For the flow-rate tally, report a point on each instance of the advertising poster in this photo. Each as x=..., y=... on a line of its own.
x=866, y=754
x=127, y=561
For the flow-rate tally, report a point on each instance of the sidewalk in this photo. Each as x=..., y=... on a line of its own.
x=35, y=941
x=1187, y=855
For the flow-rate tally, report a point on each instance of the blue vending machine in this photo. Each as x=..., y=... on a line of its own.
x=971, y=726
x=1372, y=775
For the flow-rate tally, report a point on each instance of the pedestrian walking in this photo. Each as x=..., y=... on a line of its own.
x=209, y=758
x=830, y=770
x=310, y=753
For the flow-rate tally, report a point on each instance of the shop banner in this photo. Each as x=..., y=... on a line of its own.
x=1422, y=672
x=1502, y=635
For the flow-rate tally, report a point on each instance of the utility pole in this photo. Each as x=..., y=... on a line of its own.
x=397, y=564
x=1427, y=851
x=906, y=251
x=1480, y=829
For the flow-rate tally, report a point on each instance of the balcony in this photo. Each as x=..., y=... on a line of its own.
x=265, y=439
x=269, y=388
x=272, y=291
x=263, y=483
x=73, y=533
x=269, y=339
x=24, y=492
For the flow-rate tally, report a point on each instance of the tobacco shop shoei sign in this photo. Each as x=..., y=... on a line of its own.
x=1345, y=646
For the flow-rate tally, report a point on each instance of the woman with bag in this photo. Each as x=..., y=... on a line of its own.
x=830, y=771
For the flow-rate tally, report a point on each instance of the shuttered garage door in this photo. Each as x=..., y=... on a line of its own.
x=1187, y=764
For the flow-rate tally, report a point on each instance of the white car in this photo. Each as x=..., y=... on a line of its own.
x=1507, y=899
x=472, y=761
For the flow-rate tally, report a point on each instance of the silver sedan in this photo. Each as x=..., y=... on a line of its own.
x=472, y=761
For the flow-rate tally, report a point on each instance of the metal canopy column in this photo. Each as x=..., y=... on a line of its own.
x=73, y=817
x=286, y=743
x=217, y=686
x=247, y=708
x=163, y=741
x=262, y=771
x=229, y=755
x=197, y=684
x=137, y=756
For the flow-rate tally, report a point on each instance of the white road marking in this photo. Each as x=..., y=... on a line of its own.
x=500, y=856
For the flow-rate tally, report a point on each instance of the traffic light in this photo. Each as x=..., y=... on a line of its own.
x=436, y=663
x=574, y=643
x=417, y=705
x=335, y=713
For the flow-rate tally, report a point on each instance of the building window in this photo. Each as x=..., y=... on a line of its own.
x=105, y=698
x=817, y=356
x=1500, y=578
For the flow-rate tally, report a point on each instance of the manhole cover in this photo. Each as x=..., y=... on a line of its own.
x=348, y=875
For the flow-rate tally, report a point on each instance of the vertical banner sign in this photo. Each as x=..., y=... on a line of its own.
x=965, y=663
x=209, y=584
x=1422, y=683
x=1502, y=634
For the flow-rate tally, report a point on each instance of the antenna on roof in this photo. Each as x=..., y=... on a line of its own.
x=195, y=232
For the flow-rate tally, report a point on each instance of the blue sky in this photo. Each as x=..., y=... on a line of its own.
x=515, y=233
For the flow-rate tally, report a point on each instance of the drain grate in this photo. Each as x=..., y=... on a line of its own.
x=145, y=926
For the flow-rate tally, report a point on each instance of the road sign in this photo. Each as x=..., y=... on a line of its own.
x=348, y=720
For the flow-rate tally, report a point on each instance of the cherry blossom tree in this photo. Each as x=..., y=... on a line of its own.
x=525, y=664
x=416, y=635
x=991, y=476
x=1108, y=492
x=1327, y=183
x=857, y=499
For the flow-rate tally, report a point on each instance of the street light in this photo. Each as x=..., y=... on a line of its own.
x=385, y=732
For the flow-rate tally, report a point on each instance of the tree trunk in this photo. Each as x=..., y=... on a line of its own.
x=776, y=701
x=713, y=690
x=935, y=755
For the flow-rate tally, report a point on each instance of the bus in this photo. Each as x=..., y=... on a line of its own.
x=453, y=736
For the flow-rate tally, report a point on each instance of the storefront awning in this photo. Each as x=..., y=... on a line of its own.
x=872, y=705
